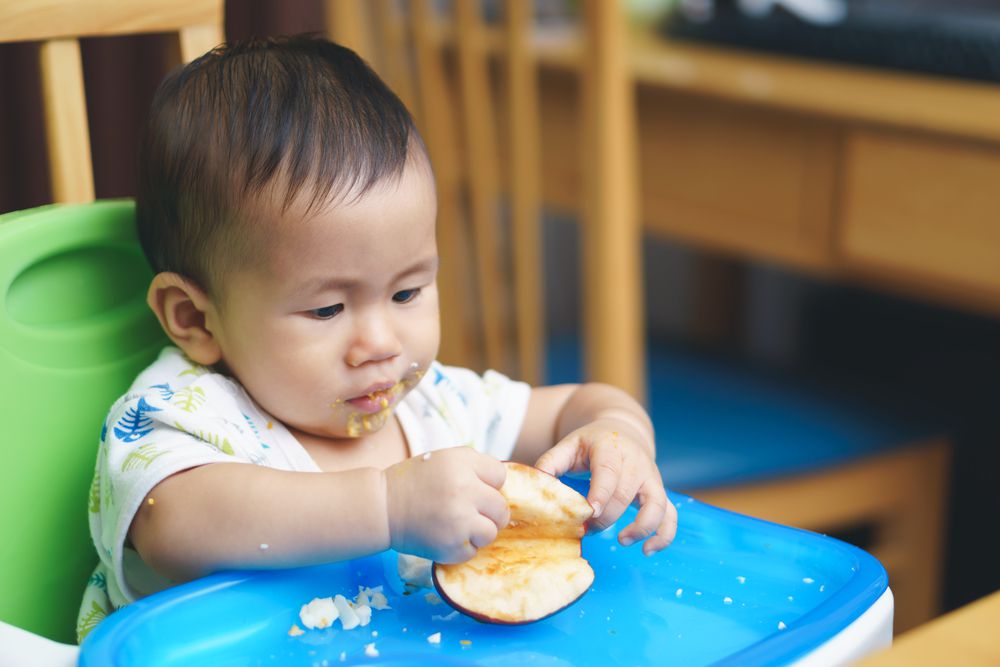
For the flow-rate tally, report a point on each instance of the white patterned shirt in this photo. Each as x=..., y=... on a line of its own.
x=178, y=415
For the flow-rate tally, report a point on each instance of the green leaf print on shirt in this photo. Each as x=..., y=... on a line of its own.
x=141, y=456
x=189, y=399
x=194, y=369
x=95, y=493
x=213, y=440
x=89, y=620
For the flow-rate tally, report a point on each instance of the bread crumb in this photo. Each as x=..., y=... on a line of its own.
x=371, y=651
x=465, y=642
x=348, y=617
x=434, y=639
x=152, y=501
x=295, y=631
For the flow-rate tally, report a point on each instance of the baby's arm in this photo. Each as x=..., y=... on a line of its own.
x=218, y=516
x=597, y=427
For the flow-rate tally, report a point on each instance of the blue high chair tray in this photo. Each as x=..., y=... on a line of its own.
x=731, y=590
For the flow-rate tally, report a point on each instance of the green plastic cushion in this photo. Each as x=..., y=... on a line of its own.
x=74, y=332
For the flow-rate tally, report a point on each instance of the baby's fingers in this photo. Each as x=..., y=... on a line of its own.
x=605, y=480
x=656, y=519
x=561, y=458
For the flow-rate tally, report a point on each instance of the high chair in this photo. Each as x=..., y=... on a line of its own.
x=74, y=327
x=475, y=89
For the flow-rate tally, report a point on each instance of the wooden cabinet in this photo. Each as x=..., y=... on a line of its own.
x=737, y=177
x=924, y=210
x=879, y=177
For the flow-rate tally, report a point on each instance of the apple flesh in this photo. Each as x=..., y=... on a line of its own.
x=534, y=568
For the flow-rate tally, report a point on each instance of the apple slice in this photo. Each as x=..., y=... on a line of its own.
x=534, y=567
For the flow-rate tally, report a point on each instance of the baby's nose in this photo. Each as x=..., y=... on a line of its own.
x=375, y=340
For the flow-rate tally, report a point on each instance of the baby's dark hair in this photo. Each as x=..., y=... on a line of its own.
x=282, y=119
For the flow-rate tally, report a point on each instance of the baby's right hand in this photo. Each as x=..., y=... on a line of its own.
x=445, y=506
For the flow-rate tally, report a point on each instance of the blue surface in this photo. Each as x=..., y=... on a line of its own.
x=720, y=422
x=716, y=596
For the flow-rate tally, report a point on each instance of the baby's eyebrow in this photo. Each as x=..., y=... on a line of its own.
x=421, y=266
x=344, y=284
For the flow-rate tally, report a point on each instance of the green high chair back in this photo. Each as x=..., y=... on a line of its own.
x=74, y=332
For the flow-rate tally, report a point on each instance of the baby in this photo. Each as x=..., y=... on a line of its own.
x=287, y=206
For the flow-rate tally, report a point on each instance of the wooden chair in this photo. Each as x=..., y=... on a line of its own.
x=58, y=25
x=36, y=621
x=474, y=90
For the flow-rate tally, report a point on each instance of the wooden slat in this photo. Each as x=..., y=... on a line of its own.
x=481, y=166
x=613, y=317
x=198, y=40
x=457, y=342
x=524, y=168
x=67, y=136
x=348, y=25
x=36, y=20
x=395, y=64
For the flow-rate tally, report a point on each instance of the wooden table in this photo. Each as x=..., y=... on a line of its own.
x=969, y=636
x=887, y=178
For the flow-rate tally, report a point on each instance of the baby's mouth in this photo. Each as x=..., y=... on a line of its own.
x=377, y=399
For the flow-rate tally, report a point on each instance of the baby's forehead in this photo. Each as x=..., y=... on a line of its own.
x=399, y=209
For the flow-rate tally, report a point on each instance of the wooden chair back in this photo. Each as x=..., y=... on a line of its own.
x=58, y=25
x=473, y=88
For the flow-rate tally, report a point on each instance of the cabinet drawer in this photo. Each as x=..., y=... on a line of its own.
x=922, y=207
x=751, y=180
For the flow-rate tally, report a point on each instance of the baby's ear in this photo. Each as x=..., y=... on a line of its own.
x=184, y=309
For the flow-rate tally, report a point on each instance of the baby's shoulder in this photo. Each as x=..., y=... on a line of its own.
x=174, y=380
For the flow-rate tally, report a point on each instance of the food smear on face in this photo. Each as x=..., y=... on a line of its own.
x=360, y=422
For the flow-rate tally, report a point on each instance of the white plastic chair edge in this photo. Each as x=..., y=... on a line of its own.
x=869, y=633
x=20, y=648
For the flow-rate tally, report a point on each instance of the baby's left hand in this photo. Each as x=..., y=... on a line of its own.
x=621, y=470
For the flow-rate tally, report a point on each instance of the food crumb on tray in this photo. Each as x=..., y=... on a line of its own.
x=322, y=612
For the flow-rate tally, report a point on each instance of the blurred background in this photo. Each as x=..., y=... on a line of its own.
x=812, y=195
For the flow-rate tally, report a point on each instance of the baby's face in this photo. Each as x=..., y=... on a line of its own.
x=337, y=319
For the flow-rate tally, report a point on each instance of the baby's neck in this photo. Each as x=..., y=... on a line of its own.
x=381, y=449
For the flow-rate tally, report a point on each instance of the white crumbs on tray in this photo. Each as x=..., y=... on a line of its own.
x=741, y=579
x=781, y=625
x=807, y=580
x=322, y=612
x=434, y=639
x=371, y=651
x=679, y=592
x=727, y=600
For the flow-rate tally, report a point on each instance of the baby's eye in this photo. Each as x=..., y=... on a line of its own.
x=406, y=295
x=326, y=312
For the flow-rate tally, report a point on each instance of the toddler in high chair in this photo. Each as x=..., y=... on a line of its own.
x=287, y=206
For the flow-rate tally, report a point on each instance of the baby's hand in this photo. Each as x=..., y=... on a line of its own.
x=621, y=469
x=446, y=505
